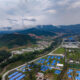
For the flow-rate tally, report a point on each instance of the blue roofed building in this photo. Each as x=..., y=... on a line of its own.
x=70, y=42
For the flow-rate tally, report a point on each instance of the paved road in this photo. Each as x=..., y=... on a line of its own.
x=4, y=75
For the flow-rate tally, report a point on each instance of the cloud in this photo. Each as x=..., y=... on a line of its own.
x=63, y=2
x=36, y=12
x=75, y=5
x=33, y=20
x=51, y=11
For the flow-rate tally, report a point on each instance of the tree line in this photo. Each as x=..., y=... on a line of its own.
x=29, y=56
x=4, y=55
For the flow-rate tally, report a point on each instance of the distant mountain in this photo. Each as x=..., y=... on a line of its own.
x=38, y=32
x=23, y=37
x=47, y=30
x=50, y=30
x=62, y=28
x=71, y=28
x=15, y=40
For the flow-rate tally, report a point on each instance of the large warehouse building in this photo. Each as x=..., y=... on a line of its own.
x=70, y=43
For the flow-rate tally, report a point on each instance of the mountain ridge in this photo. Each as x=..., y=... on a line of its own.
x=47, y=28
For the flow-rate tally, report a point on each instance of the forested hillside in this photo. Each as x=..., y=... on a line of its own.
x=4, y=55
x=15, y=40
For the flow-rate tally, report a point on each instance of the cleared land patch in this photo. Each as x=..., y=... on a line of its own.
x=59, y=51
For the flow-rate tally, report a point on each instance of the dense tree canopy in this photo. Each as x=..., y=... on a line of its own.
x=15, y=40
x=4, y=55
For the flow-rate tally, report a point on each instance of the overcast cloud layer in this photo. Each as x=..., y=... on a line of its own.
x=34, y=12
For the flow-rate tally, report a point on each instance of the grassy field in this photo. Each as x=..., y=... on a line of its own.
x=60, y=51
x=13, y=65
x=74, y=55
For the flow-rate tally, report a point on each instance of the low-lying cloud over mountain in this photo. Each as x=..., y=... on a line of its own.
x=16, y=13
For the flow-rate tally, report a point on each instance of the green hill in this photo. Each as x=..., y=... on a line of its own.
x=15, y=40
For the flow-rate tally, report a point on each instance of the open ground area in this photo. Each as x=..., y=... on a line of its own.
x=59, y=51
x=73, y=55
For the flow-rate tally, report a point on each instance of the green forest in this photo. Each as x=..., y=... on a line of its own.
x=15, y=40
x=4, y=55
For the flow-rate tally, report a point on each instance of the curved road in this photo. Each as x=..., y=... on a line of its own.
x=51, y=53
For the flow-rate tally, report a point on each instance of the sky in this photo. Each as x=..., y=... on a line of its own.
x=19, y=14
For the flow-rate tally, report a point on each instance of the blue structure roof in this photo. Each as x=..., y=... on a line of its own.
x=54, y=61
x=12, y=74
x=53, y=64
x=58, y=61
x=49, y=56
x=29, y=69
x=70, y=70
x=50, y=68
x=77, y=78
x=57, y=72
x=24, y=70
x=48, y=63
x=23, y=67
x=70, y=38
x=15, y=76
x=22, y=76
x=29, y=65
x=52, y=57
x=47, y=60
x=42, y=61
x=77, y=71
x=69, y=76
x=55, y=56
x=59, y=57
x=44, y=68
